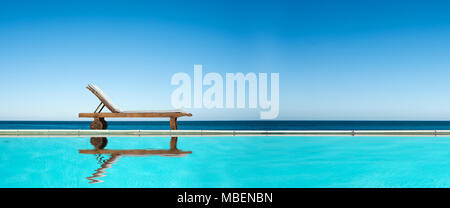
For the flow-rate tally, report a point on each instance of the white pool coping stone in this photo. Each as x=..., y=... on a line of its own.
x=196, y=133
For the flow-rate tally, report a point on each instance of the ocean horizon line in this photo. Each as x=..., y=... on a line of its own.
x=237, y=125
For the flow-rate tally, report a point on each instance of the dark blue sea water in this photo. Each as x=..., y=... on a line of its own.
x=236, y=125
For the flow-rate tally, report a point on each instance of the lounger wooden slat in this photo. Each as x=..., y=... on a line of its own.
x=99, y=117
x=136, y=152
x=132, y=115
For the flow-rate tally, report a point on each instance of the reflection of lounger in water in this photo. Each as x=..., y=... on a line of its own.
x=100, y=143
x=100, y=171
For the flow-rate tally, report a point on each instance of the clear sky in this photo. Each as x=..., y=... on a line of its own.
x=344, y=60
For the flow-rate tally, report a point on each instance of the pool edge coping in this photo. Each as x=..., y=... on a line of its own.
x=148, y=133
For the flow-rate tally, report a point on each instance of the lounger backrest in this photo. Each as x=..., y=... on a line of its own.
x=104, y=98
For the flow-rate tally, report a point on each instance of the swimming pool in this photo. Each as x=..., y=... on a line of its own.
x=247, y=161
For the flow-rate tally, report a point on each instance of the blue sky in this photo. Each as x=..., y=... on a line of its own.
x=338, y=60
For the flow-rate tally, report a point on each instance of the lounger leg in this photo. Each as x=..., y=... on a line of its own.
x=173, y=123
x=96, y=124
x=99, y=142
x=173, y=143
x=105, y=125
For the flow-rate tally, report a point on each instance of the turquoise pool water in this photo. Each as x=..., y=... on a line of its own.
x=227, y=162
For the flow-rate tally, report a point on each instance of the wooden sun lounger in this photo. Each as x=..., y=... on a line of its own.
x=99, y=117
